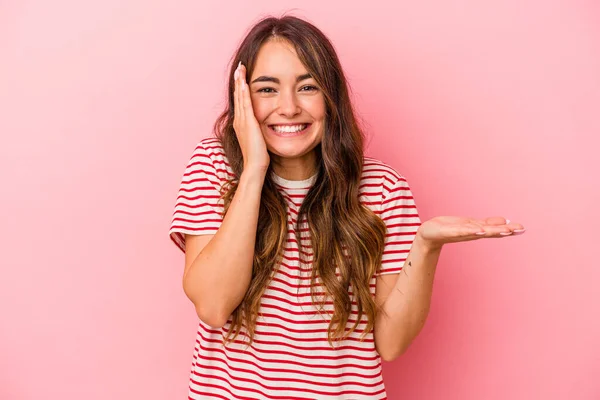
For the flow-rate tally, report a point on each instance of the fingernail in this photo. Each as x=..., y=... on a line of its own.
x=507, y=221
x=236, y=74
x=519, y=231
x=240, y=63
x=505, y=233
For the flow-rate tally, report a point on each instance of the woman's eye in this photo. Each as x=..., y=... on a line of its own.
x=270, y=90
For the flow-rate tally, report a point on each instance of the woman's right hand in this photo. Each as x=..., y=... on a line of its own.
x=247, y=129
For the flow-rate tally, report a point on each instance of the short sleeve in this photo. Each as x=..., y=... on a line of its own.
x=401, y=218
x=199, y=207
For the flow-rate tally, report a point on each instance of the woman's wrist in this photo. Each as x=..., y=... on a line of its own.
x=253, y=174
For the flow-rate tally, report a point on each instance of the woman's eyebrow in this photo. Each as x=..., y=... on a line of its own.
x=264, y=78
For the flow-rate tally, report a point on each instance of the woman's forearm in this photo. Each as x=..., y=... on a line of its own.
x=407, y=306
x=220, y=275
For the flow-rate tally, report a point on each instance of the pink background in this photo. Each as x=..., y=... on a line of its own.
x=487, y=107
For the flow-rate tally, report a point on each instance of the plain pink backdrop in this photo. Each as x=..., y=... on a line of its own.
x=487, y=107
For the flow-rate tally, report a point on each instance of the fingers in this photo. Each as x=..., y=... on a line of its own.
x=242, y=100
x=236, y=95
x=242, y=79
x=246, y=99
x=488, y=221
x=495, y=221
x=240, y=104
x=489, y=232
x=496, y=227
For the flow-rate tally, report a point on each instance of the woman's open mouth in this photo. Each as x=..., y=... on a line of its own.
x=289, y=130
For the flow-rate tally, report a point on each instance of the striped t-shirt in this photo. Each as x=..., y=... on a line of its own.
x=290, y=357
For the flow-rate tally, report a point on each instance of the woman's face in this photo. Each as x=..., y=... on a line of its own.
x=285, y=98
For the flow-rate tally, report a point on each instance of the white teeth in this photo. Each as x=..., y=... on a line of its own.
x=289, y=129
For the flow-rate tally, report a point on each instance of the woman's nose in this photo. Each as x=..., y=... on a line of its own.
x=288, y=104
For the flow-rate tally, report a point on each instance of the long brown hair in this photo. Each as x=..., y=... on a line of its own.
x=336, y=219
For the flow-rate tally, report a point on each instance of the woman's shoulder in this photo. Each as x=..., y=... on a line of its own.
x=211, y=147
x=382, y=183
x=210, y=156
x=376, y=168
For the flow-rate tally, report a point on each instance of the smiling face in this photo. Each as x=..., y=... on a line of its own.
x=286, y=98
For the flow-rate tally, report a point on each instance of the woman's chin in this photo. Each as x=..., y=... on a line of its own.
x=290, y=150
x=282, y=150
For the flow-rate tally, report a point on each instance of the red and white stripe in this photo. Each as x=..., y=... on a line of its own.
x=290, y=357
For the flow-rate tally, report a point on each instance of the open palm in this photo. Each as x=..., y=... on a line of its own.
x=450, y=229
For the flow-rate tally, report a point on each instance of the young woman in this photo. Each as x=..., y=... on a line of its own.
x=294, y=240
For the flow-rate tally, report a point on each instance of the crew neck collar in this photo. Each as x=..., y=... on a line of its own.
x=305, y=183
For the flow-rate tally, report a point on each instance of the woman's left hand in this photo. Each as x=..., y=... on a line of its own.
x=441, y=230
